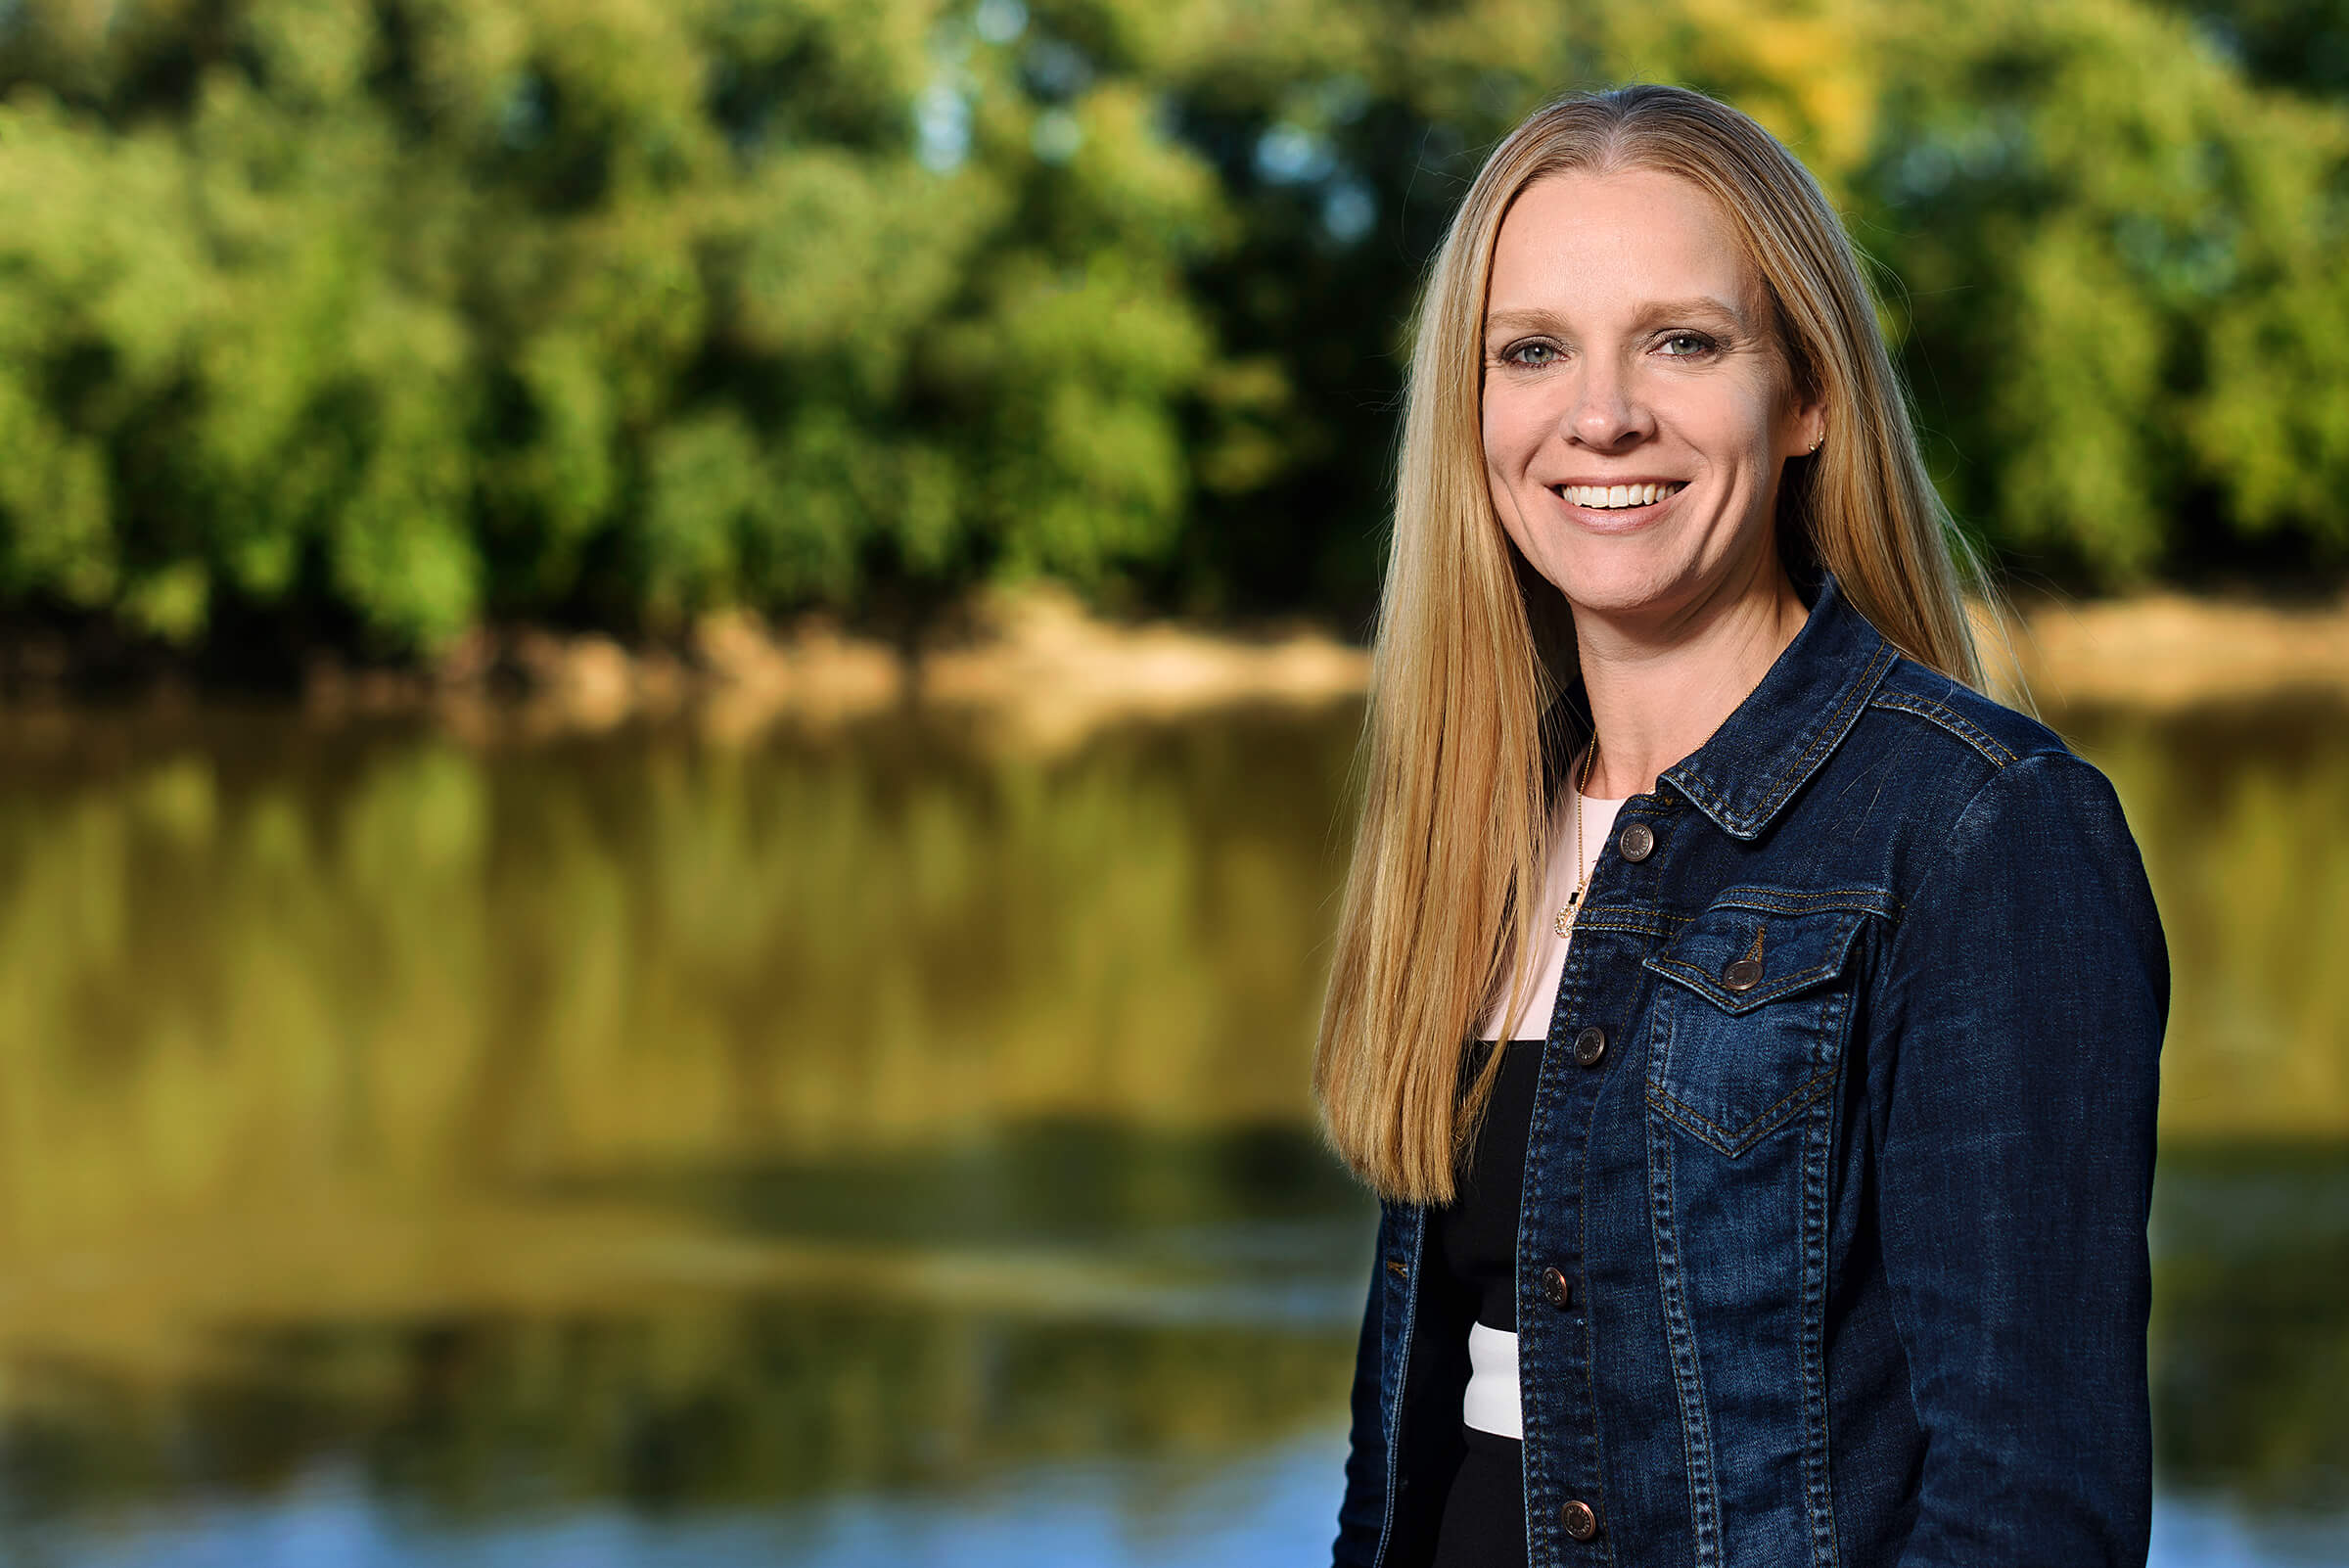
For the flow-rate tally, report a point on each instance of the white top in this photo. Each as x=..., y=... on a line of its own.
x=1548, y=957
x=1492, y=1401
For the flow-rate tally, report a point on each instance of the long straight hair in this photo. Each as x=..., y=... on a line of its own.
x=1471, y=645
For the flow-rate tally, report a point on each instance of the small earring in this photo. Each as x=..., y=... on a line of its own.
x=1816, y=439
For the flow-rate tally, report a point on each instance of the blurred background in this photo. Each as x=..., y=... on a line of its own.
x=677, y=689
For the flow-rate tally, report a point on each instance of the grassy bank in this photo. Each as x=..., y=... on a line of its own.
x=1041, y=670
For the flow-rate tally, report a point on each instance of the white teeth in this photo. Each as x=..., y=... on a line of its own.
x=1607, y=497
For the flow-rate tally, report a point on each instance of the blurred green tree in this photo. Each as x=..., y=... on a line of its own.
x=412, y=312
x=2103, y=252
x=2119, y=287
x=2302, y=44
x=375, y=318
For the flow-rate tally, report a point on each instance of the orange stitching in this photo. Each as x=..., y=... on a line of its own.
x=1726, y=899
x=1925, y=707
x=1807, y=1091
x=1854, y=697
x=1621, y=920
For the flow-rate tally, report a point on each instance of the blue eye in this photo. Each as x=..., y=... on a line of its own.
x=1686, y=345
x=1532, y=355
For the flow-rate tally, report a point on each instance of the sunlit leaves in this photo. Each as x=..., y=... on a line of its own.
x=416, y=311
x=2119, y=257
x=429, y=310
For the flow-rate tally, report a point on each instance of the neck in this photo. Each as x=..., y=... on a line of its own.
x=1659, y=688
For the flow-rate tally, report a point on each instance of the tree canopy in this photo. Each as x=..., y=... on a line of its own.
x=383, y=317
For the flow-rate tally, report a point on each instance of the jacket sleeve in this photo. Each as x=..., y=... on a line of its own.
x=1363, y=1514
x=2016, y=1068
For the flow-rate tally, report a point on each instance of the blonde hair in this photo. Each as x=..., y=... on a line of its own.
x=1471, y=644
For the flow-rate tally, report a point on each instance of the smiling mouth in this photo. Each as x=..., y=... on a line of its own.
x=1616, y=497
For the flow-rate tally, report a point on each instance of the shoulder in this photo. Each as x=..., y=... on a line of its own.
x=2019, y=810
x=1996, y=734
x=1988, y=795
x=1988, y=757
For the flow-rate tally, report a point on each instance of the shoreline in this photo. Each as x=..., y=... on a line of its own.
x=2167, y=651
x=1038, y=665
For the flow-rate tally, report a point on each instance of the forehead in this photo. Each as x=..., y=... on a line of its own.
x=1596, y=246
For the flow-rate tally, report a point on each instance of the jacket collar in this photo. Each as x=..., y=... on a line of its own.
x=1790, y=724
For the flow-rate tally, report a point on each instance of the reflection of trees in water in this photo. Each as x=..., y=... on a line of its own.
x=897, y=989
x=752, y=1403
x=2242, y=819
x=2243, y=816
x=257, y=958
x=1109, y=1188
x=2251, y=1323
x=253, y=956
x=761, y=1402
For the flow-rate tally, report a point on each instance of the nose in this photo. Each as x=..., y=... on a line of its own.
x=1606, y=416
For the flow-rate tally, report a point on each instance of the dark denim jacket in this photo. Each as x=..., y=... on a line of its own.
x=1832, y=1247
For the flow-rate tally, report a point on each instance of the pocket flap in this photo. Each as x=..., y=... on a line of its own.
x=1739, y=955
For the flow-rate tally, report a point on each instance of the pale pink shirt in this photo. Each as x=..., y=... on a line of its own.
x=1532, y=1021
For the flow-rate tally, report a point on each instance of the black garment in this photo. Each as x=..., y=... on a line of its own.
x=1475, y=1241
x=1475, y=1236
x=1484, y=1512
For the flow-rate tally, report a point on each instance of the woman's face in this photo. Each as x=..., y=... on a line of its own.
x=1636, y=407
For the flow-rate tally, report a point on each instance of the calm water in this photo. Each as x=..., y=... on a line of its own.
x=877, y=1147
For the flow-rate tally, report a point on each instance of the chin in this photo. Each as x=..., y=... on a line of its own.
x=1619, y=588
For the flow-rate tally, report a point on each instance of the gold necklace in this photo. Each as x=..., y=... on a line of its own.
x=1563, y=922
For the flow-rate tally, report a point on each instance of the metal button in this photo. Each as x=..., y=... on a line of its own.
x=1637, y=842
x=1556, y=1288
x=1589, y=1046
x=1742, y=975
x=1579, y=1519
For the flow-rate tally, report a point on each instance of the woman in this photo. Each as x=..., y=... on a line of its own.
x=1800, y=1215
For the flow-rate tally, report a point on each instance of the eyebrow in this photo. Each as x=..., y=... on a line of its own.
x=1700, y=305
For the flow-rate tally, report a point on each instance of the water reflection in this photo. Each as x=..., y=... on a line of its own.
x=2250, y=1324
x=709, y=1405
x=654, y=1149
x=2243, y=815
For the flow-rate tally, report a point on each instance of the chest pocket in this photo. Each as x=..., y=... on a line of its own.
x=1750, y=1020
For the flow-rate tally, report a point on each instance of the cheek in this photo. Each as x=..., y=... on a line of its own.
x=1512, y=430
x=1738, y=424
x=1502, y=471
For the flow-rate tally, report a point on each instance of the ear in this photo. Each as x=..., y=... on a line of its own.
x=1809, y=427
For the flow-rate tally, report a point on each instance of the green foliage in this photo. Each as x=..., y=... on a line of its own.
x=390, y=316
x=2103, y=251
x=2302, y=44
x=2119, y=260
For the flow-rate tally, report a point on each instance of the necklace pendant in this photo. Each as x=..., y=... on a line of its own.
x=1563, y=925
